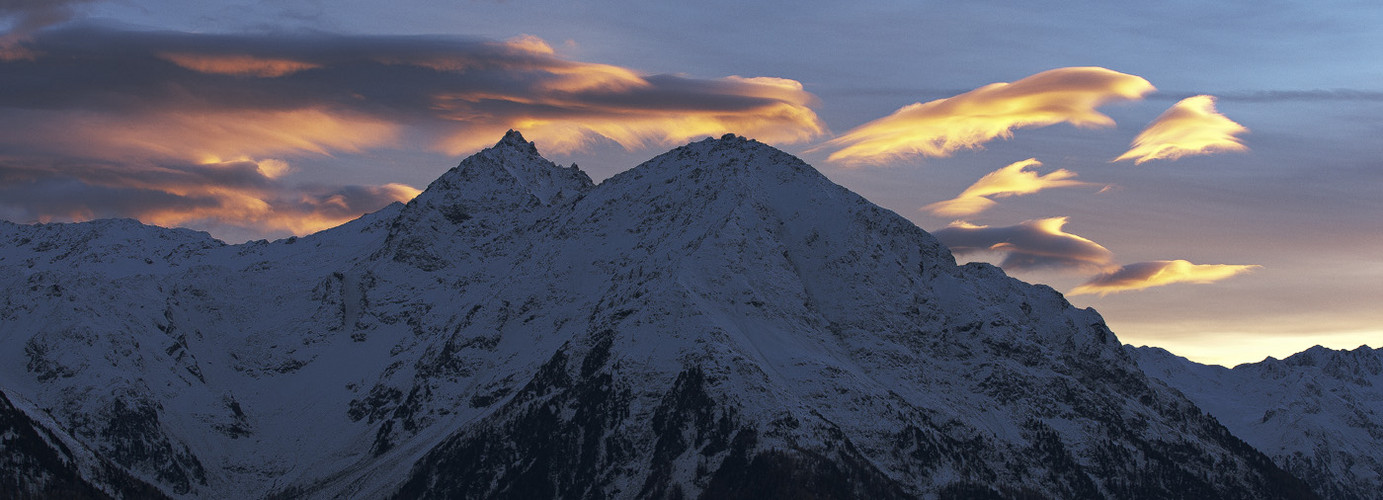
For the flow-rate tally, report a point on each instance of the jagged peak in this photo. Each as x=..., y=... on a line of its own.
x=515, y=141
x=732, y=141
x=500, y=178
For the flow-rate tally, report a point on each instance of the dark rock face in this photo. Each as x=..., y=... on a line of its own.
x=132, y=429
x=35, y=464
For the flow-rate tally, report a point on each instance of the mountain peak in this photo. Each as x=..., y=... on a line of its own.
x=718, y=315
x=730, y=158
x=493, y=188
x=512, y=164
x=514, y=140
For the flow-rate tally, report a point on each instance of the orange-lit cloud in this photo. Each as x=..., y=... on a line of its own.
x=940, y=127
x=453, y=95
x=301, y=213
x=191, y=127
x=530, y=43
x=1032, y=244
x=1158, y=273
x=1013, y=180
x=241, y=197
x=770, y=109
x=204, y=137
x=238, y=64
x=1190, y=127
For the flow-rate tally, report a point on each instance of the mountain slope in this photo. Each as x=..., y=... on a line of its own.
x=721, y=321
x=1317, y=413
x=38, y=463
x=767, y=323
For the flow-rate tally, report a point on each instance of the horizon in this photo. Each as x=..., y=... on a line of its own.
x=1219, y=202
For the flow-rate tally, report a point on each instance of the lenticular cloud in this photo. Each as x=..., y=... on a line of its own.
x=938, y=128
x=1190, y=127
x=1142, y=275
x=1013, y=180
x=1032, y=244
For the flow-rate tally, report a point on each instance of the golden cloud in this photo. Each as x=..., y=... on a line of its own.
x=205, y=137
x=1031, y=244
x=1013, y=180
x=530, y=43
x=238, y=64
x=938, y=128
x=1190, y=127
x=243, y=196
x=1158, y=273
x=303, y=215
x=780, y=112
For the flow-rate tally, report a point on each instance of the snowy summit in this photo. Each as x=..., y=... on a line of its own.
x=721, y=321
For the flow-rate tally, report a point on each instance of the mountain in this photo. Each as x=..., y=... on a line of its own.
x=1317, y=413
x=721, y=321
x=37, y=463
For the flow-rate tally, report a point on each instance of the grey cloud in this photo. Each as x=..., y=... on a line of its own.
x=33, y=15
x=90, y=67
x=1033, y=244
x=234, y=195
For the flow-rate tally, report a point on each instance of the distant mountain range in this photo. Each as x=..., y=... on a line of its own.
x=1318, y=413
x=721, y=321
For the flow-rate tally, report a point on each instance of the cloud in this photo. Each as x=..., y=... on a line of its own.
x=457, y=94
x=238, y=64
x=32, y=15
x=1189, y=127
x=1157, y=273
x=116, y=113
x=227, y=195
x=1013, y=180
x=1032, y=244
x=938, y=128
x=29, y=16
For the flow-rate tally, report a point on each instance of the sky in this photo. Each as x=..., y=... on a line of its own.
x=1206, y=175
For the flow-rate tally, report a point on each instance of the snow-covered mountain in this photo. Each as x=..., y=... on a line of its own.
x=1317, y=413
x=721, y=321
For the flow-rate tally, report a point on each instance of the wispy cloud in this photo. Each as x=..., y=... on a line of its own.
x=940, y=127
x=232, y=196
x=1190, y=127
x=1032, y=244
x=1158, y=273
x=458, y=94
x=1013, y=180
x=95, y=109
